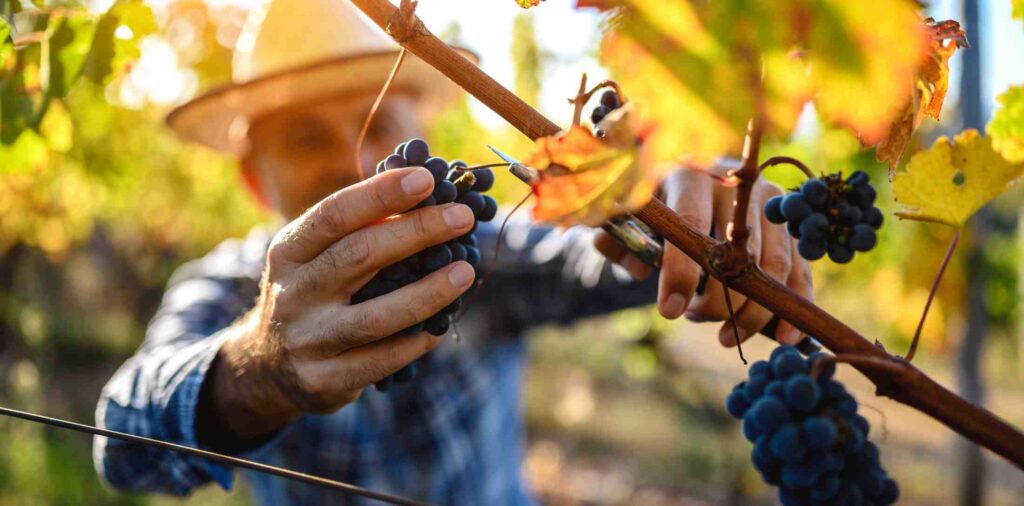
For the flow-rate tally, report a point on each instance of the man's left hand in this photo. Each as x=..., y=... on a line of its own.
x=707, y=206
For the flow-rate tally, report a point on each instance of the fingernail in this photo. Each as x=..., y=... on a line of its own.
x=458, y=216
x=417, y=182
x=460, y=275
x=674, y=306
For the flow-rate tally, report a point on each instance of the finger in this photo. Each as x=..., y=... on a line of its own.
x=775, y=261
x=690, y=194
x=359, y=255
x=613, y=250
x=350, y=209
x=800, y=281
x=710, y=305
x=363, y=366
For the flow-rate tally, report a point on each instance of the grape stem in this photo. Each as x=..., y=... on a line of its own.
x=913, y=387
x=931, y=295
x=582, y=96
x=895, y=366
x=778, y=160
x=373, y=112
x=732, y=319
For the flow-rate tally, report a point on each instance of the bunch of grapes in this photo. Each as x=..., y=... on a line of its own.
x=453, y=182
x=609, y=102
x=829, y=215
x=808, y=438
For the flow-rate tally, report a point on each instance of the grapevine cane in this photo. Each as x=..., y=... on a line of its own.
x=914, y=389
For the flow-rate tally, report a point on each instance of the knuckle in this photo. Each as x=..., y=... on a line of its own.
x=331, y=215
x=420, y=224
x=354, y=251
x=370, y=325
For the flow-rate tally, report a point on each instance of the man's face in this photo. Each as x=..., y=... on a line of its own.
x=302, y=154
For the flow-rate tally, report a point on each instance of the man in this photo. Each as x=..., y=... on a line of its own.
x=256, y=349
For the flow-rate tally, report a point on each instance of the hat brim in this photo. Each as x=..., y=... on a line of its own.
x=219, y=118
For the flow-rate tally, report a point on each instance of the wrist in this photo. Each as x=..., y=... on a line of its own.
x=241, y=403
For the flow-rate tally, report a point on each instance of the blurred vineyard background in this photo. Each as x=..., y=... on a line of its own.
x=99, y=204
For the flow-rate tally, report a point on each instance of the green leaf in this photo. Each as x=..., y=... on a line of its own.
x=1018, y=9
x=1007, y=125
x=69, y=46
x=6, y=48
x=951, y=180
x=110, y=55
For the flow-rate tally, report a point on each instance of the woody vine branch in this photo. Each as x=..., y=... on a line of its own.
x=910, y=386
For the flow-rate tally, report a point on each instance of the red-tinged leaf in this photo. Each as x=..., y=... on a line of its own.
x=931, y=85
x=526, y=4
x=586, y=180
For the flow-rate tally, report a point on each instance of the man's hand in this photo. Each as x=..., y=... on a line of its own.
x=708, y=207
x=305, y=347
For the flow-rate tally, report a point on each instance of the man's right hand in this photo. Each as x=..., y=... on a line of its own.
x=304, y=347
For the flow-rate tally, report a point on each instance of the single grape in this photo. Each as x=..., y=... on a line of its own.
x=599, y=113
x=826, y=487
x=863, y=196
x=793, y=227
x=380, y=167
x=799, y=475
x=610, y=99
x=473, y=200
x=472, y=255
x=839, y=253
x=429, y=201
x=819, y=432
x=438, y=167
x=400, y=149
x=416, y=152
x=858, y=178
x=490, y=209
x=761, y=368
x=802, y=393
x=435, y=257
x=862, y=237
x=457, y=249
x=786, y=444
x=437, y=325
x=812, y=250
x=776, y=389
x=484, y=180
x=795, y=207
x=395, y=162
x=468, y=240
x=736, y=404
x=848, y=213
x=770, y=413
x=445, y=192
x=452, y=308
x=785, y=365
x=874, y=217
x=815, y=191
x=814, y=227
x=773, y=210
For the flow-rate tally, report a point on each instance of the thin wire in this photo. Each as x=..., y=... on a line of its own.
x=216, y=457
x=373, y=112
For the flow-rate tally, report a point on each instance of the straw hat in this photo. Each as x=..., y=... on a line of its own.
x=298, y=51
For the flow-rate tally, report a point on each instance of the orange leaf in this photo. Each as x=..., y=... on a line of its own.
x=586, y=180
x=931, y=84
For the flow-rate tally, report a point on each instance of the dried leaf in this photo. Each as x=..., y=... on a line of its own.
x=950, y=181
x=586, y=180
x=931, y=84
x=1007, y=125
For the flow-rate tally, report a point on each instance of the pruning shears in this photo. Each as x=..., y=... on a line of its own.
x=642, y=242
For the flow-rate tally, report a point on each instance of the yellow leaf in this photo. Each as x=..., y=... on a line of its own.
x=586, y=180
x=950, y=181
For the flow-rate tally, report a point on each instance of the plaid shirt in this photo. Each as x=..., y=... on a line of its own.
x=452, y=436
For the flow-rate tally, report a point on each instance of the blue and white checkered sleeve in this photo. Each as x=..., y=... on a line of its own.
x=155, y=393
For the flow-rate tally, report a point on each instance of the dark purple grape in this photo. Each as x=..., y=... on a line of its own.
x=610, y=99
x=489, y=210
x=438, y=167
x=445, y=192
x=437, y=325
x=484, y=180
x=599, y=113
x=395, y=162
x=416, y=152
x=473, y=200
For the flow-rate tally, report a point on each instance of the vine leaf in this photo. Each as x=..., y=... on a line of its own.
x=697, y=65
x=1018, y=9
x=951, y=180
x=1007, y=125
x=586, y=180
x=526, y=4
x=931, y=84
